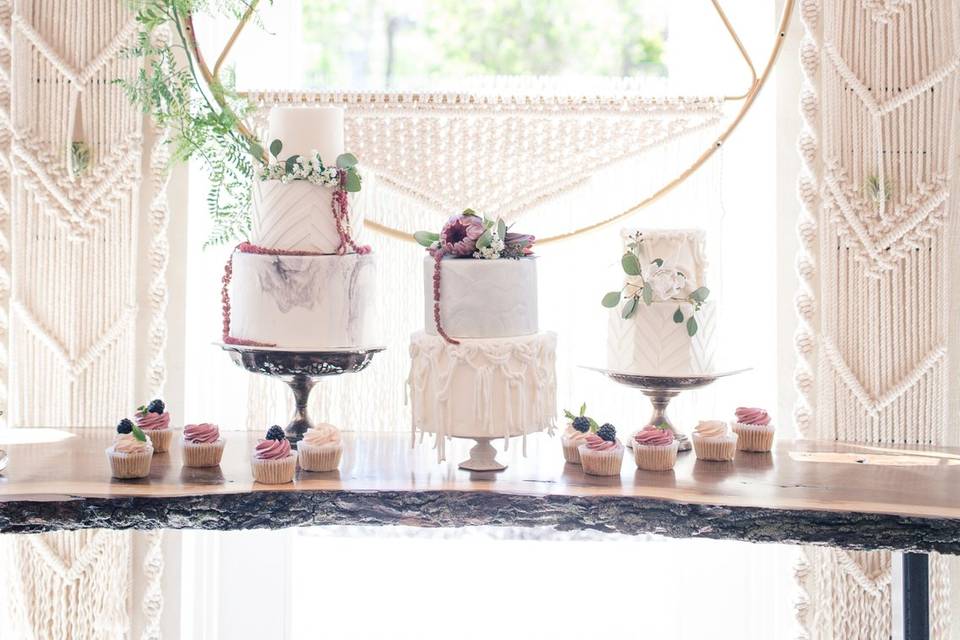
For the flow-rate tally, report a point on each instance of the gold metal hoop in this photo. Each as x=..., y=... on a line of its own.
x=749, y=97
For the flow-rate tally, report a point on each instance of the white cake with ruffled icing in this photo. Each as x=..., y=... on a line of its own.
x=303, y=281
x=655, y=339
x=499, y=380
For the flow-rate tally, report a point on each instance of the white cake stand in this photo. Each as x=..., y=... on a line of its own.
x=661, y=390
x=483, y=456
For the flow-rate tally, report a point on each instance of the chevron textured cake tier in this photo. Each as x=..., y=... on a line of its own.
x=661, y=322
x=298, y=216
x=483, y=298
x=496, y=388
x=303, y=302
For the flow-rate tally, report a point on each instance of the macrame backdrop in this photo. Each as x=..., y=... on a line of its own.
x=879, y=107
x=69, y=245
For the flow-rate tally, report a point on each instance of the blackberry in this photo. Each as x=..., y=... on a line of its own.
x=608, y=432
x=125, y=426
x=156, y=406
x=276, y=433
x=581, y=424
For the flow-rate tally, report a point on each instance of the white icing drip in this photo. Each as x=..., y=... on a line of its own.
x=482, y=388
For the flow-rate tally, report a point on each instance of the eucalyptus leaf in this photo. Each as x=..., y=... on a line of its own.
x=678, y=316
x=291, y=163
x=630, y=308
x=275, y=148
x=647, y=296
x=346, y=161
x=484, y=240
x=502, y=229
x=352, y=183
x=692, y=326
x=700, y=295
x=631, y=266
x=610, y=300
x=426, y=238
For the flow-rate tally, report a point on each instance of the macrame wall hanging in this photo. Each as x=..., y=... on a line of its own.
x=72, y=211
x=879, y=106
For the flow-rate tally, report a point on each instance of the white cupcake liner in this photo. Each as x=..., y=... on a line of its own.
x=160, y=438
x=279, y=471
x=715, y=448
x=753, y=437
x=571, y=450
x=601, y=463
x=203, y=454
x=129, y=465
x=324, y=457
x=655, y=457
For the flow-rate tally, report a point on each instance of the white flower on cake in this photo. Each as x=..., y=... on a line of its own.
x=665, y=281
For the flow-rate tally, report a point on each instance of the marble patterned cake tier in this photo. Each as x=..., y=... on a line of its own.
x=651, y=343
x=495, y=388
x=483, y=298
x=303, y=302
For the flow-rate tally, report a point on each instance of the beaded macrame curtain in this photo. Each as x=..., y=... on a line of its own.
x=70, y=249
x=879, y=107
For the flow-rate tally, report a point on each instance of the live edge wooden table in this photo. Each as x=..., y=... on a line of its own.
x=905, y=499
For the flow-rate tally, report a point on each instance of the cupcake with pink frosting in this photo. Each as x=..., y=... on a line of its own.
x=712, y=440
x=320, y=448
x=753, y=428
x=655, y=449
x=131, y=452
x=202, y=445
x=274, y=462
x=154, y=420
x=578, y=428
x=601, y=454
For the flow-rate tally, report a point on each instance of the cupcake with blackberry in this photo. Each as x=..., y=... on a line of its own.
x=202, y=445
x=155, y=422
x=712, y=440
x=655, y=449
x=131, y=452
x=578, y=427
x=320, y=448
x=753, y=428
x=274, y=462
x=601, y=454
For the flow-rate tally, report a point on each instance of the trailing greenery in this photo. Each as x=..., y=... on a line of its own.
x=190, y=113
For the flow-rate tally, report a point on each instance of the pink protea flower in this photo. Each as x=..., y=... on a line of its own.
x=459, y=235
x=521, y=243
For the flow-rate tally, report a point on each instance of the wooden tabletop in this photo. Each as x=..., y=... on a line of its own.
x=846, y=495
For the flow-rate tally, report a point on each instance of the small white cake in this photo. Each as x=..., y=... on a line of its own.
x=483, y=298
x=651, y=341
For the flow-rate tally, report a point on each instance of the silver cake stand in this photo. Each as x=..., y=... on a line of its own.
x=301, y=370
x=661, y=390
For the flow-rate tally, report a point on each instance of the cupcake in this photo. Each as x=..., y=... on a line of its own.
x=274, y=462
x=575, y=434
x=202, y=445
x=655, y=449
x=601, y=454
x=320, y=448
x=713, y=441
x=155, y=422
x=130, y=453
x=753, y=429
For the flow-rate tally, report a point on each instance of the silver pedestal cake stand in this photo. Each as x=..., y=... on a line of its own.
x=301, y=370
x=661, y=390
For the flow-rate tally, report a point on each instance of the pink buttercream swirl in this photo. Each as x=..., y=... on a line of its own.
x=203, y=433
x=596, y=443
x=752, y=415
x=651, y=436
x=272, y=449
x=153, y=421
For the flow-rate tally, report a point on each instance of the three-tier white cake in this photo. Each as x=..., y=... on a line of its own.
x=303, y=281
x=656, y=337
x=499, y=379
